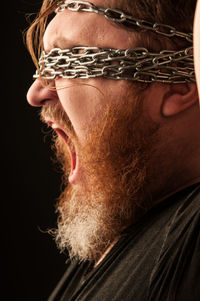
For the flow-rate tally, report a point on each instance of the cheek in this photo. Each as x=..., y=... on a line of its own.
x=82, y=103
x=85, y=103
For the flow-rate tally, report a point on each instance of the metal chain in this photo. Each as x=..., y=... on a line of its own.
x=137, y=64
x=119, y=16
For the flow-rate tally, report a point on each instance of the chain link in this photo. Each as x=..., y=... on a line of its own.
x=135, y=64
x=118, y=16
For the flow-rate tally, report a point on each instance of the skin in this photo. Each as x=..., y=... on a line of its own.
x=175, y=107
x=197, y=43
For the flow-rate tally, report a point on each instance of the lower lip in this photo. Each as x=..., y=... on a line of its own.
x=73, y=176
x=74, y=169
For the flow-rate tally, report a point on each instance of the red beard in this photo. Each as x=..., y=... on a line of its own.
x=115, y=162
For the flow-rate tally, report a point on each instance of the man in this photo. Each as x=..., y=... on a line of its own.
x=118, y=88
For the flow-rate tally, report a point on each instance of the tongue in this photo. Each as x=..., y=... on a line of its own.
x=73, y=167
x=73, y=158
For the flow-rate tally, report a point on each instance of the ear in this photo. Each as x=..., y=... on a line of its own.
x=178, y=98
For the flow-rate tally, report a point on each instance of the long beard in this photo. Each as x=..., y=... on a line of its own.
x=115, y=161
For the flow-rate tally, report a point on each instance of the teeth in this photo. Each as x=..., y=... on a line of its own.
x=59, y=131
x=55, y=126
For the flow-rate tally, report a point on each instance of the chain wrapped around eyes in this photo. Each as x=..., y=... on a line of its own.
x=131, y=64
x=137, y=64
x=119, y=16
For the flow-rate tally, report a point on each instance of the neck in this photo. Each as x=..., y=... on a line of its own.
x=176, y=189
x=174, y=168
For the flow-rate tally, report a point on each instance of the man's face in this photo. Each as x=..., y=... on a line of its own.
x=104, y=139
x=83, y=101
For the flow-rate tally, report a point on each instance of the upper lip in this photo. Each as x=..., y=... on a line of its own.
x=58, y=129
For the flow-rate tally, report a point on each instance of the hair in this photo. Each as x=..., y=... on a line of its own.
x=179, y=13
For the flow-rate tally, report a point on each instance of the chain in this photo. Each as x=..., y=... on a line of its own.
x=136, y=64
x=118, y=16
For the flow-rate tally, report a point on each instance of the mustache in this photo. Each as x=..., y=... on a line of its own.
x=55, y=112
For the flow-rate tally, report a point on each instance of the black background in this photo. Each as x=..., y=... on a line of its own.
x=30, y=262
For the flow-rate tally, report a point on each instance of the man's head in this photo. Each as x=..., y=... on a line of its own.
x=121, y=144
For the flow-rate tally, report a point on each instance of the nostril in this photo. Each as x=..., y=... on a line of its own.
x=39, y=95
x=47, y=101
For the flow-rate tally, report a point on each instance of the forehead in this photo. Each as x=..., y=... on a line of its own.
x=69, y=29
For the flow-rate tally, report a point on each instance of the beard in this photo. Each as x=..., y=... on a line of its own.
x=115, y=167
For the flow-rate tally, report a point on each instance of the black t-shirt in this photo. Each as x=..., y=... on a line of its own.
x=156, y=259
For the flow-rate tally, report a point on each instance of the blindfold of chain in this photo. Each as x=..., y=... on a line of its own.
x=120, y=17
x=137, y=64
x=131, y=64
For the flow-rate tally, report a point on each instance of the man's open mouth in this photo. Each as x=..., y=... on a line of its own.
x=71, y=148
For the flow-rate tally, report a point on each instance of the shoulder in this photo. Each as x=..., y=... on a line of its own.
x=186, y=217
x=177, y=269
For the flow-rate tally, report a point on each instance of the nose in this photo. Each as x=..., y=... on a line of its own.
x=39, y=95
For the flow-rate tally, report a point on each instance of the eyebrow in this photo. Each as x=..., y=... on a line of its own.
x=61, y=43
